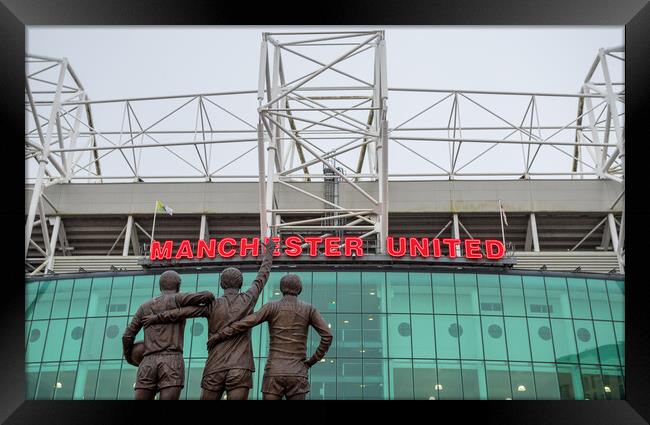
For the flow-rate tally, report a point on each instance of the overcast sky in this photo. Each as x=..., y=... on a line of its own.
x=116, y=62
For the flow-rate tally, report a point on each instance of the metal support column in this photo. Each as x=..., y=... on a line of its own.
x=53, y=241
x=127, y=236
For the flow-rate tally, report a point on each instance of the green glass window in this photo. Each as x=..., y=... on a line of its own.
x=120, y=296
x=489, y=294
x=564, y=341
x=613, y=383
x=450, y=381
x=332, y=323
x=423, y=336
x=546, y=383
x=254, y=393
x=80, y=297
x=398, y=292
x=108, y=380
x=599, y=301
x=93, y=337
x=47, y=381
x=187, y=334
x=494, y=339
x=196, y=331
x=112, y=346
x=348, y=335
x=64, y=386
x=592, y=383
x=513, y=296
x=607, y=348
x=374, y=336
x=348, y=292
x=401, y=379
x=36, y=341
x=323, y=379
x=535, y=293
x=420, y=293
x=62, y=298
x=493, y=336
x=541, y=339
x=586, y=340
x=31, y=291
x=616, y=292
x=522, y=381
x=474, y=384
x=72, y=339
x=619, y=330
x=31, y=379
x=579, y=298
x=373, y=292
x=44, y=299
x=324, y=292
x=399, y=335
x=205, y=282
x=188, y=282
x=447, y=331
x=86, y=383
x=305, y=295
x=497, y=377
x=568, y=377
x=100, y=294
x=444, y=293
x=193, y=381
x=517, y=338
x=54, y=341
x=375, y=379
x=466, y=293
x=471, y=344
x=425, y=380
x=349, y=383
x=558, y=297
x=126, y=388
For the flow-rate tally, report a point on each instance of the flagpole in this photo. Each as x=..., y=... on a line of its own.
x=503, y=235
x=153, y=227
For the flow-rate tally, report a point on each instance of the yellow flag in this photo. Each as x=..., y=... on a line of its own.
x=162, y=208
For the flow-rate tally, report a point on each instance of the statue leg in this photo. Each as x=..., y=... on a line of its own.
x=211, y=395
x=269, y=396
x=170, y=393
x=297, y=396
x=145, y=394
x=240, y=393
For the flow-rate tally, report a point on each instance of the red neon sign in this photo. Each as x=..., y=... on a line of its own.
x=332, y=246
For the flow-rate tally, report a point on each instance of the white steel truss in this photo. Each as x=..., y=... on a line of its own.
x=321, y=116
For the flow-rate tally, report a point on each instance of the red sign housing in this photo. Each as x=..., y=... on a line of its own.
x=331, y=246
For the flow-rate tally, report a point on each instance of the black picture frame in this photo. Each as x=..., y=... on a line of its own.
x=15, y=15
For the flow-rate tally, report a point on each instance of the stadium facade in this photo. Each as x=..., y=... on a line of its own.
x=527, y=304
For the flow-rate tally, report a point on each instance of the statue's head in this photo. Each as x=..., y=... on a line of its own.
x=231, y=278
x=290, y=285
x=170, y=281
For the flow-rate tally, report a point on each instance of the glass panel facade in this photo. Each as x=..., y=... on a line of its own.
x=397, y=335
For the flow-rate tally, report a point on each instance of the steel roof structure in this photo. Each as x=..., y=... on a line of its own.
x=321, y=126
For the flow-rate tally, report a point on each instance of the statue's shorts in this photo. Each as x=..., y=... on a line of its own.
x=161, y=370
x=285, y=385
x=227, y=380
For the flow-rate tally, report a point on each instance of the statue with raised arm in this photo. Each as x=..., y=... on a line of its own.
x=286, y=371
x=229, y=367
x=162, y=368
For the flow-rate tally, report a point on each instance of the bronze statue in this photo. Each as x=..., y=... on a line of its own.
x=229, y=366
x=162, y=367
x=285, y=374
